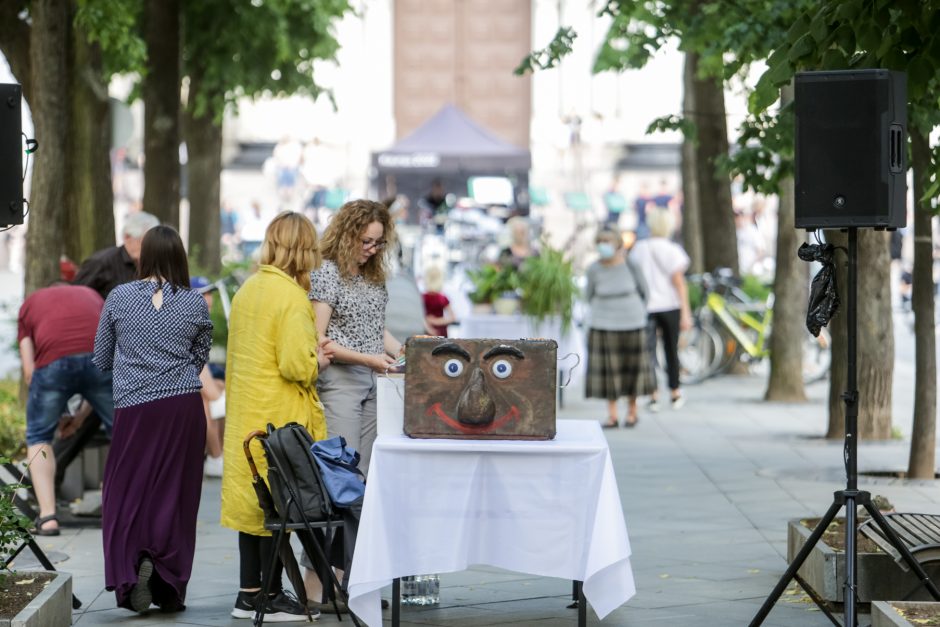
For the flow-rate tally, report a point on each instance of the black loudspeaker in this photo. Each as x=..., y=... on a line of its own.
x=11, y=155
x=851, y=149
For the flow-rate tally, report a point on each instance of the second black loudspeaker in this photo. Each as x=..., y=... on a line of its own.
x=851, y=149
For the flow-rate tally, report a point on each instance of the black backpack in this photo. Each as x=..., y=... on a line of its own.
x=293, y=471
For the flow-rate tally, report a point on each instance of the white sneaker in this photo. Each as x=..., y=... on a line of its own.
x=678, y=402
x=213, y=467
x=654, y=405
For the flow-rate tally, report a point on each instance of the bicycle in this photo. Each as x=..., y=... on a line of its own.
x=741, y=327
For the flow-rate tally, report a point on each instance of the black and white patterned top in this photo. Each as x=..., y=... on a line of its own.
x=155, y=353
x=358, y=320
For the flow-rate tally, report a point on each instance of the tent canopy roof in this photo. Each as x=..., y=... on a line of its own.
x=452, y=138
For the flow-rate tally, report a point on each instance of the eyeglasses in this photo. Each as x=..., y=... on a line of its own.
x=377, y=244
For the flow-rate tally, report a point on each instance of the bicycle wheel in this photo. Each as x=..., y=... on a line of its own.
x=699, y=353
x=817, y=356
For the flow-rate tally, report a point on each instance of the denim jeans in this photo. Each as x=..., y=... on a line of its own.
x=53, y=385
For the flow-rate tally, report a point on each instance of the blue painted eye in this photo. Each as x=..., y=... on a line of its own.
x=453, y=367
x=502, y=369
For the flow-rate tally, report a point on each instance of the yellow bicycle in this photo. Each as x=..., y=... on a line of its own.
x=742, y=328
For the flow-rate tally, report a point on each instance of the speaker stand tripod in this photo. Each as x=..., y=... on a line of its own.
x=851, y=497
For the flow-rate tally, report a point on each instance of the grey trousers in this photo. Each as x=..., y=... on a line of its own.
x=348, y=394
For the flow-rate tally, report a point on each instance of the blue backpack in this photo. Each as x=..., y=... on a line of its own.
x=338, y=464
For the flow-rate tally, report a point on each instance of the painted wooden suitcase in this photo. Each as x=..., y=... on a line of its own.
x=481, y=389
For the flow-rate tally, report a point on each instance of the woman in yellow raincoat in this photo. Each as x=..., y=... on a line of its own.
x=273, y=359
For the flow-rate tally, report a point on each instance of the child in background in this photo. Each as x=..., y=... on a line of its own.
x=437, y=310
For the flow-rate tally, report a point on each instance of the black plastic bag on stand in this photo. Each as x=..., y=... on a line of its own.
x=823, y=295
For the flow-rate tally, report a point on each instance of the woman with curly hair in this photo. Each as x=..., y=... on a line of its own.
x=349, y=297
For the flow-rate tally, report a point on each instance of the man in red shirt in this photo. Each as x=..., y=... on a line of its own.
x=56, y=335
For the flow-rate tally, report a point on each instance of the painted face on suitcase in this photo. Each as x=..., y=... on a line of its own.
x=480, y=388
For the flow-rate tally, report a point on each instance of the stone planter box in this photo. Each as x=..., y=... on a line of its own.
x=52, y=607
x=885, y=614
x=880, y=578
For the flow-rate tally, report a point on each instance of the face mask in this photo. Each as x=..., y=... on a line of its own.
x=605, y=250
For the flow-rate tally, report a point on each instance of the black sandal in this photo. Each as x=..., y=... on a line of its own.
x=42, y=520
x=610, y=425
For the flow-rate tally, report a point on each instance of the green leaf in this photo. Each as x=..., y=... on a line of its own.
x=869, y=37
x=798, y=29
x=920, y=71
x=847, y=10
x=932, y=190
x=820, y=27
x=834, y=59
x=765, y=94
x=894, y=60
x=845, y=38
x=802, y=47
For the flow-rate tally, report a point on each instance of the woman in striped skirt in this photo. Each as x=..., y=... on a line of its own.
x=618, y=363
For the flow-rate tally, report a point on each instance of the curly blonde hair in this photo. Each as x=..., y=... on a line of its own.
x=342, y=240
x=290, y=244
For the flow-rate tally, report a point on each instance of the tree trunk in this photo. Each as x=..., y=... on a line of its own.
x=875, y=358
x=924, y=431
x=719, y=241
x=204, y=145
x=691, y=201
x=790, y=297
x=14, y=43
x=161, y=92
x=89, y=207
x=49, y=105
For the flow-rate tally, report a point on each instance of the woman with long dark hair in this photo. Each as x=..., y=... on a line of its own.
x=154, y=334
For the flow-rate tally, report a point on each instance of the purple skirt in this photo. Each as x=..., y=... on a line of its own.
x=150, y=497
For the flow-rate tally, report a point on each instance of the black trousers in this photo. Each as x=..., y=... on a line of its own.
x=667, y=322
x=254, y=555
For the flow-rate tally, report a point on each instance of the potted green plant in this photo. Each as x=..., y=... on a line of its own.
x=491, y=283
x=547, y=286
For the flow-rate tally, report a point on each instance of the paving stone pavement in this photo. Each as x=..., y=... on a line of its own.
x=707, y=491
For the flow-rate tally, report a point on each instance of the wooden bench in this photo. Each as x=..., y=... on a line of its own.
x=920, y=533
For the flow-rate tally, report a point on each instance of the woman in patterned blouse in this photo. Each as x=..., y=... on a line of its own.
x=154, y=333
x=349, y=297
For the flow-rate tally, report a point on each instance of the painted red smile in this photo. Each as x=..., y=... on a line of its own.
x=509, y=416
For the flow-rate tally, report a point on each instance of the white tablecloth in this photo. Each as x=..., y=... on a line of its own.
x=546, y=508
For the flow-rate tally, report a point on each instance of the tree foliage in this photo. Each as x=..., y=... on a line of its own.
x=841, y=34
x=235, y=49
x=549, y=56
x=115, y=26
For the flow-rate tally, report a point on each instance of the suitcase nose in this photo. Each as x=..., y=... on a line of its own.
x=476, y=406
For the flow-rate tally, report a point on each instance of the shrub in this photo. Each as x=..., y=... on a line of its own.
x=12, y=523
x=12, y=420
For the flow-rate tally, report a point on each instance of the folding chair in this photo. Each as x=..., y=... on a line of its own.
x=277, y=510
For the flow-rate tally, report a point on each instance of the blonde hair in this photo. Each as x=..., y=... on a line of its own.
x=290, y=244
x=342, y=240
x=661, y=222
x=433, y=279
